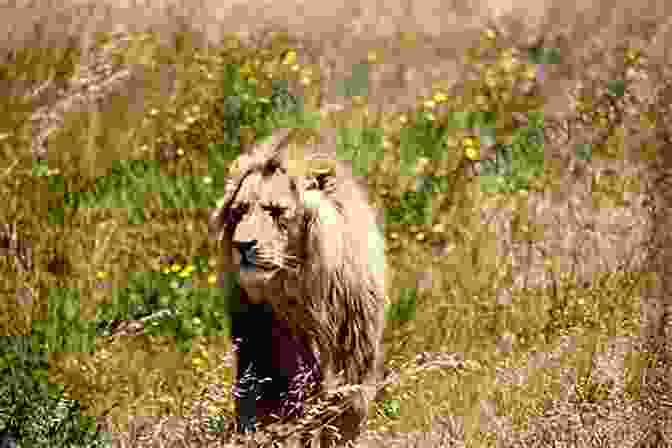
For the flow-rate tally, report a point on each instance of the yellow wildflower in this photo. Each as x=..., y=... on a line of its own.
x=471, y=153
x=468, y=141
x=429, y=104
x=440, y=97
x=290, y=58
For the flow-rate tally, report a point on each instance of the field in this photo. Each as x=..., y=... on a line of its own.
x=522, y=154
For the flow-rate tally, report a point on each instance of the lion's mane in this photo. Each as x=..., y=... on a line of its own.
x=334, y=296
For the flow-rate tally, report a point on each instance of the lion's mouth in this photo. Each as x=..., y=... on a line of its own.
x=254, y=273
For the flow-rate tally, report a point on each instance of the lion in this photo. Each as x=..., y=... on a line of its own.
x=295, y=228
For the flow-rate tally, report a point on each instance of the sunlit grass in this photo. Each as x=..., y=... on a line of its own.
x=155, y=192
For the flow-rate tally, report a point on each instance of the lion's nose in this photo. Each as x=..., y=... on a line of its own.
x=246, y=249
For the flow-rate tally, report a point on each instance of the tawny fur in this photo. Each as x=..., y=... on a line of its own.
x=318, y=239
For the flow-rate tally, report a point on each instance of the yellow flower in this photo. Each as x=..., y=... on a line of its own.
x=189, y=268
x=440, y=97
x=403, y=118
x=471, y=153
x=468, y=141
x=184, y=274
x=429, y=104
x=305, y=80
x=197, y=362
x=530, y=72
x=212, y=279
x=296, y=67
x=246, y=69
x=290, y=58
x=176, y=268
x=102, y=274
x=166, y=270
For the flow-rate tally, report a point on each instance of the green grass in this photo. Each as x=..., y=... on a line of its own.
x=111, y=228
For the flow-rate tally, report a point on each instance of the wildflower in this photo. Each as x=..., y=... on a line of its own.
x=212, y=279
x=471, y=153
x=246, y=69
x=176, y=267
x=440, y=97
x=305, y=80
x=101, y=275
x=290, y=58
x=403, y=118
x=296, y=67
x=180, y=151
x=197, y=362
x=468, y=141
x=429, y=104
x=530, y=72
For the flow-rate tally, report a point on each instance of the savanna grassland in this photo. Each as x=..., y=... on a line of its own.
x=519, y=158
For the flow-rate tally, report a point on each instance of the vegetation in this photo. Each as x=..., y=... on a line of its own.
x=115, y=218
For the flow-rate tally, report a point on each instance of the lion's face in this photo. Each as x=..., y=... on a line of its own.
x=266, y=231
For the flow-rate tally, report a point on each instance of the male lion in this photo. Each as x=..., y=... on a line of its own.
x=297, y=229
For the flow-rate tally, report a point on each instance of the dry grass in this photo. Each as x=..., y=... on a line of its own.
x=586, y=235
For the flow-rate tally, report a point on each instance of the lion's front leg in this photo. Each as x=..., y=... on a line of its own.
x=245, y=390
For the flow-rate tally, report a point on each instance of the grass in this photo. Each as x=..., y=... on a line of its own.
x=120, y=190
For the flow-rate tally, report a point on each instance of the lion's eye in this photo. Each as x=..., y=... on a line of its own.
x=276, y=211
x=237, y=213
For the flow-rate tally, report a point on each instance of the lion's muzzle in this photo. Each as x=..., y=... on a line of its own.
x=247, y=251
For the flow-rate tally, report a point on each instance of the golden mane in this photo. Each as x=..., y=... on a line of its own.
x=339, y=286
